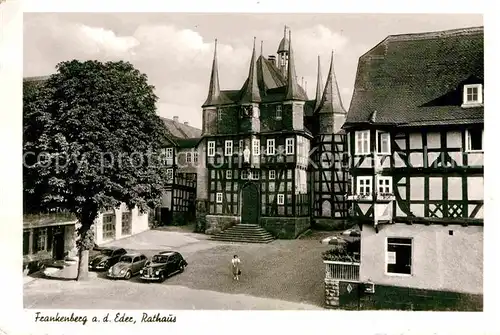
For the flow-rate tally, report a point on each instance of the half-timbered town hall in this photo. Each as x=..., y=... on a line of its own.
x=270, y=157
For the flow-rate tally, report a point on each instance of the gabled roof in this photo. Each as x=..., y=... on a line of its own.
x=180, y=130
x=417, y=79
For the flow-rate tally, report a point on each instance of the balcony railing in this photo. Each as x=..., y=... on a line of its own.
x=341, y=270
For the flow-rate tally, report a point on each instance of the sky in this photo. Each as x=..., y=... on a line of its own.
x=175, y=50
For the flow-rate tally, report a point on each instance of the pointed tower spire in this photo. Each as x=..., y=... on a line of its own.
x=319, y=86
x=331, y=101
x=261, y=47
x=250, y=91
x=293, y=91
x=213, y=88
x=330, y=112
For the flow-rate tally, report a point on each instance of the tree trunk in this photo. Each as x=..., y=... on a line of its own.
x=85, y=243
x=83, y=265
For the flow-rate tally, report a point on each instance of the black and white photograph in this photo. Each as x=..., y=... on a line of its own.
x=232, y=161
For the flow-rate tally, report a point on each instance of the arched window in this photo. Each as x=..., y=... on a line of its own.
x=326, y=208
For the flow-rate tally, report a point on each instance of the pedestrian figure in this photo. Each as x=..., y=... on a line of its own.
x=236, y=267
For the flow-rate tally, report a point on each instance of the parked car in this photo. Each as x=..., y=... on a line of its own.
x=163, y=265
x=128, y=265
x=106, y=258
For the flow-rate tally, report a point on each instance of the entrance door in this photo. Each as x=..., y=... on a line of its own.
x=165, y=216
x=58, y=243
x=250, y=207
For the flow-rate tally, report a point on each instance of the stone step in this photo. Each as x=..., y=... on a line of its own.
x=242, y=240
x=246, y=233
x=243, y=236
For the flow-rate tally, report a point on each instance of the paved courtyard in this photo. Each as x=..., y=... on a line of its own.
x=284, y=274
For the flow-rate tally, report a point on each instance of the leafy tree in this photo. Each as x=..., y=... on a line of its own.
x=92, y=141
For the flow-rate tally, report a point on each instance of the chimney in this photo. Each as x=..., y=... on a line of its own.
x=176, y=119
x=272, y=58
x=186, y=123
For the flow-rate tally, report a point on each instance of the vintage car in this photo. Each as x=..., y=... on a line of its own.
x=129, y=265
x=163, y=265
x=106, y=258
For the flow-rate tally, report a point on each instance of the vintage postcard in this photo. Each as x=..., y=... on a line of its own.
x=179, y=164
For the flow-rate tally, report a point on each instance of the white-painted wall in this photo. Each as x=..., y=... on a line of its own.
x=440, y=261
x=139, y=223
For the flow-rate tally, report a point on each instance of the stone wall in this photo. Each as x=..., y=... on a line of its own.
x=285, y=227
x=332, y=291
x=217, y=223
x=331, y=224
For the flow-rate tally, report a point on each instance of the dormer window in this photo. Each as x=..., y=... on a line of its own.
x=278, y=112
x=473, y=95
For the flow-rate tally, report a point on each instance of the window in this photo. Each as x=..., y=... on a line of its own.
x=41, y=240
x=219, y=198
x=384, y=185
x=195, y=157
x=108, y=226
x=364, y=186
x=473, y=95
x=241, y=145
x=255, y=174
x=289, y=146
x=474, y=140
x=278, y=112
x=272, y=174
x=270, y=147
x=244, y=174
x=281, y=199
x=399, y=255
x=188, y=157
x=170, y=175
x=256, y=147
x=362, y=142
x=170, y=152
x=383, y=142
x=219, y=114
x=211, y=148
x=229, y=174
x=126, y=223
x=228, y=150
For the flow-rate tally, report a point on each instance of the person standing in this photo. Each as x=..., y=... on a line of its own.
x=235, y=262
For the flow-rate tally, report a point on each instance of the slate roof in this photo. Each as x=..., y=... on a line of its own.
x=417, y=79
x=182, y=135
x=271, y=83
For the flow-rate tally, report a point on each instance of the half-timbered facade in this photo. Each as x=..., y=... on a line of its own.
x=415, y=144
x=256, y=148
x=181, y=158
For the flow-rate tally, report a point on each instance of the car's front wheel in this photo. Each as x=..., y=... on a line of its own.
x=161, y=277
x=128, y=275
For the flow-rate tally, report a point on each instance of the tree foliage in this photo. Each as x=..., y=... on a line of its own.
x=92, y=140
